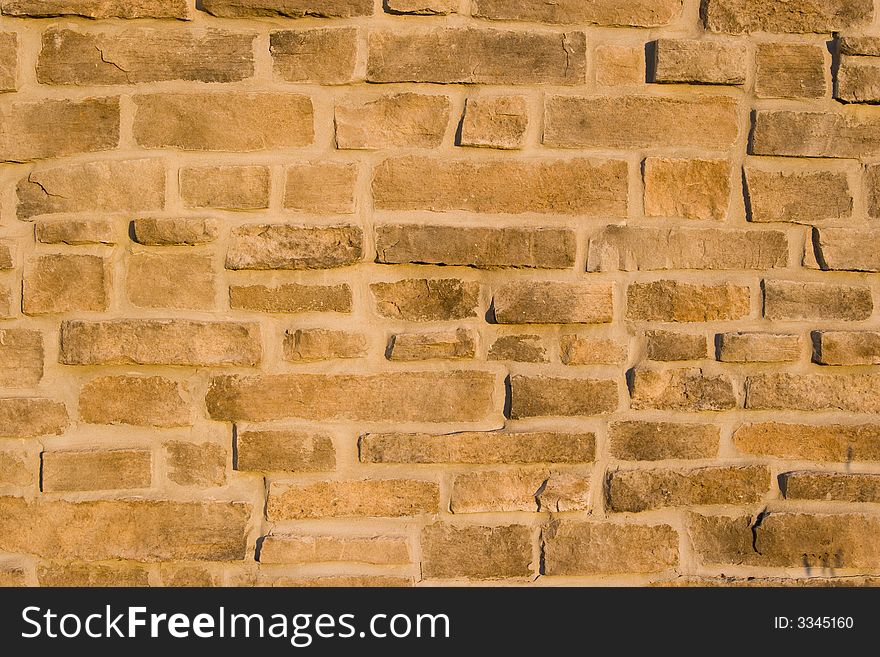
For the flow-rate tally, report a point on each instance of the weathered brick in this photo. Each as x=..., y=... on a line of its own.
x=672, y=301
x=75, y=231
x=160, y=342
x=347, y=498
x=568, y=187
x=64, y=471
x=196, y=464
x=378, y=550
x=12, y=575
x=657, y=441
x=115, y=186
x=483, y=492
x=872, y=189
x=226, y=187
x=18, y=467
x=331, y=581
x=833, y=442
x=172, y=232
x=637, y=13
x=599, y=548
x=790, y=70
x=565, y=491
x=619, y=65
x=699, y=61
x=60, y=283
x=398, y=120
x=819, y=16
x=859, y=45
x=427, y=300
x=843, y=134
x=285, y=450
x=475, y=552
x=307, y=345
x=8, y=61
x=847, y=347
x=673, y=346
x=496, y=447
x=794, y=300
x=283, y=246
x=201, y=121
x=288, y=8
x=691, y=189
x=139, y=530
x=323, y=56
x=466, y=55
x=547, y=302
x=451, y=345
x=21, y=358
x=97, y=8
x=758, y=347
x=291, y=298
x=495, y=122
x=642, y=490
x=189, y=575
x=640, y=122
x=688, y=389
x=135, y=400
x=542, y=396
x=85, y=574
x=457, y=396
x=22, y=417
x=75, y=57
x=6, y=256
x=321, y=188
x=856, y=393
x=847, y=249
x=833, y=486
x=588, y=350
x=422, y=7
x=6, y=308
x=171, y=280
x=519, y=348
x=798, y=196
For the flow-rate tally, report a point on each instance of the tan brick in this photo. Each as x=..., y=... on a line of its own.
x=484, y=492
x=307, y=345
x=173, y=232
x=6, y=308
x=450, y=345
x=422, y=7
x=342, y=499
x=542, y=396
x=84, y=574
x=332, y=581
x=284, y=246
x=285, y=450
x=291, y=298
x=31, y=417
x=847, y=249
x=116, y=469
x=140, y=530
x=398, y=120
x=598, y=548
x=466, y=55
x=196, y=464
x=519, y=349
x=547, y=302
x=288, y=8
x=6, y=256
x=832, y=486
x=116, y=186
x=691, y=189
x=738, y=16
x=856, y=393
x=790, y=70
x=478, y=447
x=688, y=389
x=872, y=190
x=565, y=491
x=858, y=45
x=672, y=301
x=323, y=188
x=619, y=65
x=75, y=57
x=9, y=61
x=640, y=122
x=833, y=442
x=171, y=281
x=225, y=187
x=568, y=187
x=495, y=122
x=97, y=8
x=699, y=61
x=636, y=13
x=657, y=441
x=135, y=400
x=674, y=346
x=815, y=134
x=794, y=300
x=475, y=552
x=378, y=550
x=323, y=56
x=456, y=396
x=60, y=283
x=21, y=358
x=18, y=467
x=188, y=575
x=427, y=300
x=11, y=575
x=758, y=347
x=588, y=350
x=75, y=231
x=847, y=347
x=801, y=197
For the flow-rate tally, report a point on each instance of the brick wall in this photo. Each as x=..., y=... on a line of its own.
x=416, y=291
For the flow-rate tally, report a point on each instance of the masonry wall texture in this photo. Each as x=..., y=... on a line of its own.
x=481, y=292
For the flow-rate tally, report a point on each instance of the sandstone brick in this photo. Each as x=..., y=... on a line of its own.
x=858, y=45
x=594, y=548
x=456, y=396
x=173, y=232
x=114, y=186
x=633, y=248
x=427, y=300
x=688, y=389
x=495, y=122
x=160, y=342
x=794, y=300
x=832, y=486
x=519, y=348
x=801, y=197
x=18, y=467
x=76, y=57
x=31, y=417
x=565, y=491
x=6, y=308
x=188, y=575
x=542, y=396
x=691, y=189
x=139, y=530
x=872, y=190
x=196, y=464
x=450, y=345
x=475, y=552
x=332, y=581
x=288, y=8
x=322, y=56
x=307, y=345
x=568, y=187
x=134, y=400
x=657, y=441
x=672, y=301
x=11, y=575
x=285, y=450
x=342, y=499
x=322, y=188
x=619, y=65
x=790, y=70
x=642, y=490
x=170, y=281
x=672, y=346
x=640, y=122
x=847, y=249
x=283, y=246
x=262, y=121
x=547, y=302
x=75, y=231
x=833, y=442
x=815, y=134
x=226, y=187
x=60, y=283
x=378, y=550
x=495, y=447
x=699, y=61
x=855, y=393
x=819, y=16
x=21, y=358
x=291, y=298
x=397, y=120
x=466, y=55
x=758, y=347
x=64, y=471
x=640, y=13
x=84, y=574
x=484, y=492
x=98, y=9
x=6, y=256
x=847, y=347
x=587, y=350
x=9, y=61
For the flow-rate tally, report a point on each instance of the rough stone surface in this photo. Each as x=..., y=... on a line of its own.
x=671, y=301
x=519, y=348
x=813, y=392
x=790, y=70
x=291, y=298
x=322, y=56
x=636, y=440
x=290, y=451
x=22, y=417
x=446, y=345
x=688, y=389
x=288, y=8
x=426, y=300
x=282, y=246
x=173, y=232
x=400, y=120
x=792, y=133
x=586, y=350
x=793, y=300
x=475, y=551
x=134, y=400
x=672, y=346
x=322, y=189
x=832, y=442
x=105, y=470
x=700, y=62
x=21, y=358
x=553, y=303
x=640, y=13
x=225, y=187
x=800, y=197
x=495, y=122
x=692, y=189
x=342, y=499
x=171, y=281
x=306, y=345
x=758, y=347
x=831, y=486
x=539, y=396
x=379, y=550
x=847, y=249
x=819, y=16
x=60, y=283
x=97, y=8
x=847, y=347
